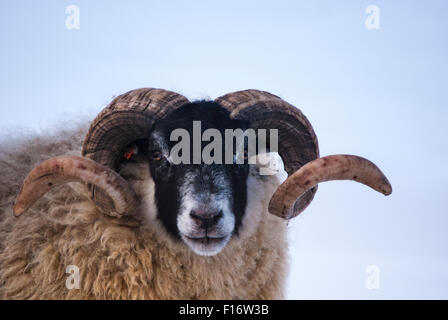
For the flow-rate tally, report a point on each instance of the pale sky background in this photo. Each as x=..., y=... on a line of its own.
x=380, y=94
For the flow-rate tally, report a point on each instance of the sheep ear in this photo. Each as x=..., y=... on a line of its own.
x=335, y=167
x=268, y=164
x=59, y=170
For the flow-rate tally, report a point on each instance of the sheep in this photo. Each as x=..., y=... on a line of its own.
x=140, y=227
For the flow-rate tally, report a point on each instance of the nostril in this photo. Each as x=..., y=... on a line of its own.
x=206, y=218
x=217, y=217
x=195, y=215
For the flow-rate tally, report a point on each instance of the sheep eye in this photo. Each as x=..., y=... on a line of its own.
x=156, y=155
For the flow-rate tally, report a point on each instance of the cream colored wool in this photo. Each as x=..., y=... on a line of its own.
x=128, y=258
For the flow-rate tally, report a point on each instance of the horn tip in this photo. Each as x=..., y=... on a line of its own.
x=386, y=187
x=387, y=190
x=17, y=210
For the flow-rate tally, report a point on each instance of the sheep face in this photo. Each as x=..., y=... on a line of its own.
x=199, y=204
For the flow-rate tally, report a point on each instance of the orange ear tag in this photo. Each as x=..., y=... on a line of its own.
x=130, y=152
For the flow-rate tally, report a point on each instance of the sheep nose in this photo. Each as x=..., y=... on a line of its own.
x=206, y=219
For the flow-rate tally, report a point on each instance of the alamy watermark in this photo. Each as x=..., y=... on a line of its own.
x=373, y=19
x=373, y=277
x=236, y=147
x=72, y=281
x=72, y=21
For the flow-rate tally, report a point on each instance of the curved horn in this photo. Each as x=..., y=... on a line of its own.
x=335, y=167
x=127, y=118
x=297, y=142
x=58, y=170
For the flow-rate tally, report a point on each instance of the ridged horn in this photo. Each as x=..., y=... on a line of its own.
x=58, y=170
x=297, y=142
x=334, y=167
x=127, y=118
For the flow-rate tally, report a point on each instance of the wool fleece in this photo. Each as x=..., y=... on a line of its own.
x=129, y=257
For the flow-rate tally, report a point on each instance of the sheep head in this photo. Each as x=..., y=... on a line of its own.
x=198, y=201
x=140, y=115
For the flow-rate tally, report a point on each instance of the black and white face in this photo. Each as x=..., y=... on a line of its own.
x=199, y=204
